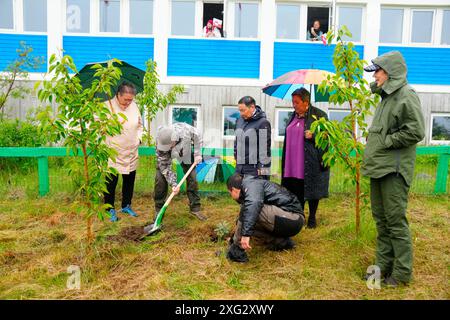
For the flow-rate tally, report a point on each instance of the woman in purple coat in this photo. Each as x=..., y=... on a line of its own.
x=303, y=172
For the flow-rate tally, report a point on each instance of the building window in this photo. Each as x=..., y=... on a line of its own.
x=141, y=16
x=352, y=18
x=213, y=12
x=337, y=115
x=78, y=16
x=246, y=20
x=422, y=26
x=282, y=118
x=35, y=15
x=187, y=115
x=318, y=19
x=391, y=25
x=440, y=128
x=230, y=117
x=288, y=21
x=445, y=35
x=183, y=18
x=6, y=14
x=109, y=15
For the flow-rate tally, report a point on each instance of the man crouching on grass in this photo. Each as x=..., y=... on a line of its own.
x=268, y=211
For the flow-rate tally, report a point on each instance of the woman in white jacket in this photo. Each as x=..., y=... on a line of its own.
x=126, y=144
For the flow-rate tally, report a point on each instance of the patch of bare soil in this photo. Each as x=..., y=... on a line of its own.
x=132, y=233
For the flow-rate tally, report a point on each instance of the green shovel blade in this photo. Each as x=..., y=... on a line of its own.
x=159, y=217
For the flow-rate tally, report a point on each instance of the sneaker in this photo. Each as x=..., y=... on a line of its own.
x=128, y=210
x=114, y=217
x=199, y=215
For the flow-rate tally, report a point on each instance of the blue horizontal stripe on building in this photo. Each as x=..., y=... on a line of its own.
x=9, y=43
x=84, y=50
x=425, y=65
x=290, y=56
x=213, y=58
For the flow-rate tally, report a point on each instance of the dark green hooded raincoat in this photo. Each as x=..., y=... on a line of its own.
x=397, y=126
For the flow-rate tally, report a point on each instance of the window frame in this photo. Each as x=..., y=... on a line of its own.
x=440, y=26
x=13, y=18
x=233, y=23
x=360, y=138
x=337, y=110
x=21, y=17
x=432, y=116
x=201, y=16
x=433, y=27
x=197, y=20
x=122, y=22
x=91, y=15
x=407, y=26
x=303, y=21
x=94, y=22
x=299, y=23
x=128, y=14
x=227, y=137
x=278, y=109
x=185, y=106
x=404, y=29
x=306, y=26
x=363, y=20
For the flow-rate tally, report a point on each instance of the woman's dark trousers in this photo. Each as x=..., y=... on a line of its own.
x=127, y=188
x=297, y=187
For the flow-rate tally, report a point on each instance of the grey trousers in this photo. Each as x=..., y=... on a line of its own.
x=266, y=225
x=161, y=189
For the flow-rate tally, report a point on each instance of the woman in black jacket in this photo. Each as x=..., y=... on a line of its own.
x=303, y=172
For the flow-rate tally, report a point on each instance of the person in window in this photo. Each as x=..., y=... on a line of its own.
x=126, y=144
x=314, y=33
x=211, y=31
x=303, y=172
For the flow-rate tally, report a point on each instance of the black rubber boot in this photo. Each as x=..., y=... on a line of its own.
x=312, y=221
x=391, y=282
x=237, y=254
x=281, y=244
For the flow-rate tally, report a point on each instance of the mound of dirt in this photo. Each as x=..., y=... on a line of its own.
x=128, y=234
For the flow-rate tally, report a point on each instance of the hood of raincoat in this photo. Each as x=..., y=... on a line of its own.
x=394, y=64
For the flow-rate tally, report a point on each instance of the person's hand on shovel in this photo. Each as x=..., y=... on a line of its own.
x=198, y=159
x=176, y=190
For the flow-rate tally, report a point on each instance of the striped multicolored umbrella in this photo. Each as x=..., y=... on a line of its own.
x=283, y=86
x=213, y=169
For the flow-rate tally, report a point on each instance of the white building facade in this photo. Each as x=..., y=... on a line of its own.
x=260, y=41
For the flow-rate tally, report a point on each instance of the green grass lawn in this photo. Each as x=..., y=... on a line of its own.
x=41, y=238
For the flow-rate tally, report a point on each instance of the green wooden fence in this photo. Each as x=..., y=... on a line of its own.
x=43, y=153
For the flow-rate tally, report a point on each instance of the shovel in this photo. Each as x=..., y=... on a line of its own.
x=156, y=225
